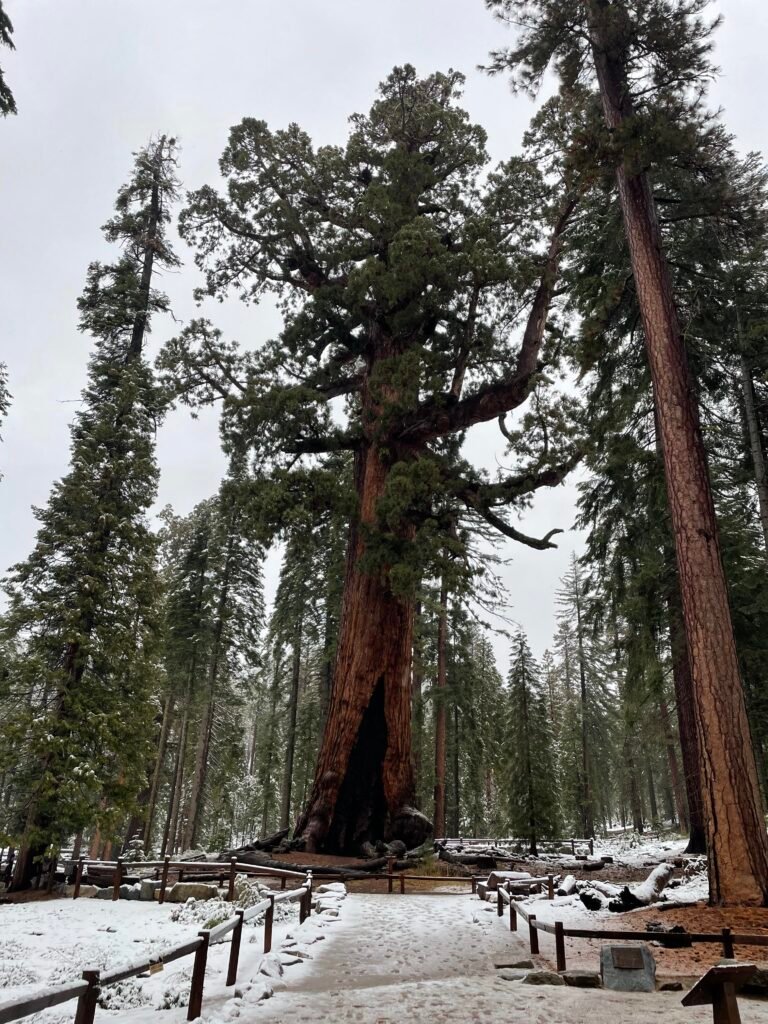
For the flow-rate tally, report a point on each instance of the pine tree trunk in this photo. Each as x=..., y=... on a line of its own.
x=266, y=772
x=587, y=811
x=172, y=823
x=678, y=789
x=456, y=773
x=417, y=708
x=154, y=789
x=737, y=842
x=686, y=719
x=652, y=795
x=440, y=712
x=755, y=444
x=363, y=787
x=290, y=743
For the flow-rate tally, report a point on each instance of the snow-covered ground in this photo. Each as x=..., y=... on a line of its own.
x=431, y=958
x=48, y=943
x=372, y=959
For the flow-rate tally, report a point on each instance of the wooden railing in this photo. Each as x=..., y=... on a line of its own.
x=725, y=938
x=87, y=990
x=163, y=869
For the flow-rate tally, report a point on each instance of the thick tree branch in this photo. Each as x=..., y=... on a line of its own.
x=443, y=415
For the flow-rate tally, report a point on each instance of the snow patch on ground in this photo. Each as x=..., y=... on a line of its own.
x=49, y=943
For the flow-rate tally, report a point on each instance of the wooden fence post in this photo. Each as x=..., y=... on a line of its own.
x=474, y=885
x=573, y=847
x=390, y=869
x=198, y=977
x=402, y=885
x=78, y=877
x=86, y=1004
x=282, y=882
x=164, y=879
x=309, y=894
x=268, y=920
x=231, y=892
x=499, y=903
x=234, y=949
x=512, y=916
x=533, y=934
x=118, y=879
x=560, y=945
x=591, y=847
x=550, y=887
x=728, y=944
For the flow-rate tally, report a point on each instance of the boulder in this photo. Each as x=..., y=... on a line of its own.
x=512, y=975
x=581, y=979
x=85, y=890
x=411, y=826
x=671, y=986
x=130, y=892
x=542, y=978
x=522, y=965
x=620, y=976
x=333, y=887
x=183, y=891
x=103, y=894
x=148, y=889
x=271, y=966
x=757, y=984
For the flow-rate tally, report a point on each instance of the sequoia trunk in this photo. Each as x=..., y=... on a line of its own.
x=737, y=843
x=364, y=785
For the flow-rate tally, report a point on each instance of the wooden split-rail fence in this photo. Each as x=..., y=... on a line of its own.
x=167, y=872
x=87, y=990
x=725, y=938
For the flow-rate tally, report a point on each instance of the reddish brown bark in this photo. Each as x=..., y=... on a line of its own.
x=736, y=836
x=364, y=775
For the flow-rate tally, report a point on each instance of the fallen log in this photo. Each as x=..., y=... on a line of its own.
x=645, y=893
x=261, y=860
x=479, y=861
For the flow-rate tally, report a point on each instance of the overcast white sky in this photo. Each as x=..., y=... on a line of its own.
x=94, y=79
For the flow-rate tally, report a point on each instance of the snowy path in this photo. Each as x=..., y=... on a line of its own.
x=431, y=958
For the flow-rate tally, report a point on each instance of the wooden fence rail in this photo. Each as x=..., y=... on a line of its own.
x=725, y=938
x=87, y=990
x=228, y=870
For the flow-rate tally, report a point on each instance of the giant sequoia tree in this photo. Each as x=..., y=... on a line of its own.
x=416, y=294
x=648, y=58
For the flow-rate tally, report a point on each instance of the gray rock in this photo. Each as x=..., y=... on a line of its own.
x=129, y=892
x=757, y=984
x=397, y=848
x=542, y=978
x=519, y=965
x=512, y=975
x=183, y=891
x=633, y=979
x=148, y=889
x=85, y=891
x=581, y=979
x=671, y=986
x=335, y=887
x=104, y=894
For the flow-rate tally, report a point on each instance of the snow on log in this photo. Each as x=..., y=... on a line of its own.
x=646, y=892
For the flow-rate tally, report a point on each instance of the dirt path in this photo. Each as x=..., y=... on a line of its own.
x=423, y=959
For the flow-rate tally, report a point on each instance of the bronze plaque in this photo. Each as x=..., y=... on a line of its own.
x=627, y=958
